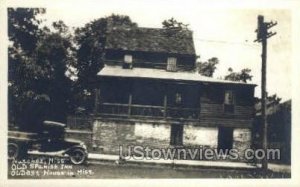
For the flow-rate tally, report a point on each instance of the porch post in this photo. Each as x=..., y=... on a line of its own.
x=129, y=104
x=199, y=114
x=165, y=106
x=97, y=98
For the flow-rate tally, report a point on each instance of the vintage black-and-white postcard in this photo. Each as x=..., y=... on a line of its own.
x=169, y=91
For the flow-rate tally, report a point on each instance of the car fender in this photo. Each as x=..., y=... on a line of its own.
x=69, y=150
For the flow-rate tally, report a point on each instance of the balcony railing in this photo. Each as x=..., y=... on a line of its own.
x=134, y=110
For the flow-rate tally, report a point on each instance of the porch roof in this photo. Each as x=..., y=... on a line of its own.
x=118, y=71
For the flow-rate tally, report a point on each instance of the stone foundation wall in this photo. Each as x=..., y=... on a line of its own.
x=205, y=136
x=110, y=135
x=241, y=140
x=152, y=135
x=106, y=136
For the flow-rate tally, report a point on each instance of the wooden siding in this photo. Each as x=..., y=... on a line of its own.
x=217, y=111
x=150, y=60
x=215, y=122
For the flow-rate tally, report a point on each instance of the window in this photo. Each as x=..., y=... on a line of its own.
x=128, y=58
x=171, y=64
x=178, y=98
x=127, y=62
x=229, y=101
x=229, y=97
x=176, y=134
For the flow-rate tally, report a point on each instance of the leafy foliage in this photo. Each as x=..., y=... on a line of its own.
x=175, y=28
x=274, y=99
x=174, y=24
x=90, y=41
x=208, y=68
x=243, y=76
x=38, y=61
x=23, y=28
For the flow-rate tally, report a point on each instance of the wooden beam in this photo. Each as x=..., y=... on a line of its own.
x=199, y=115
x=129, y=104
x=165, y=105
x=97, y=98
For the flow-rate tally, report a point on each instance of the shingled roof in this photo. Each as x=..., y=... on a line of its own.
x=151, y=40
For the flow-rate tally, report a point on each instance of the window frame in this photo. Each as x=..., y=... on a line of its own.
x=171, y=64
x=227, y=105
x=130, y=61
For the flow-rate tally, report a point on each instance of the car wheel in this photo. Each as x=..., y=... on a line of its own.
x=12, y=151
x=78, y=156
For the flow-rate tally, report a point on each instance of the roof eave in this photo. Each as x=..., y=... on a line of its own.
x=187, y=80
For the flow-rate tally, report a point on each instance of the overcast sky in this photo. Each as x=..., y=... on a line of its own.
x=227, y=34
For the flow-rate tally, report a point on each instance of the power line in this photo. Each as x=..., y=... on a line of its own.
x=226, y=42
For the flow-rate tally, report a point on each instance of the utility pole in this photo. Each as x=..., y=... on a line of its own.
x=262, y=36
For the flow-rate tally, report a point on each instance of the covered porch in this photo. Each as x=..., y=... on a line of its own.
x=148, y=98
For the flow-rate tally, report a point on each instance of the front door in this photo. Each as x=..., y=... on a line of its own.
x=176, y=134
x=225, y=138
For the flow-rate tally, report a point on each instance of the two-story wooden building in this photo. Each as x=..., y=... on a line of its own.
x=149, y=94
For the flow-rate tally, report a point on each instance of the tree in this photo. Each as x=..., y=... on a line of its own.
x=54, y=54
x=90, y=40
x=23, y=32
x=208, y=68
x=274, y=99
x=233, y=76
x=243, y=76
x=37, y=63
x=23, y=28
x=174, y=28
x=174, y=24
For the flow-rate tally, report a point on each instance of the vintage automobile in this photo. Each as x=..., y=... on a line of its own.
x=49, y=142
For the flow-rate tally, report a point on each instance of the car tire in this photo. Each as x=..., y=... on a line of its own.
x=12, y=151
x=78, y=156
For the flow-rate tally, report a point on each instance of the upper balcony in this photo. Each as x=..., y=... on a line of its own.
x=148, y=111
x=153, y=93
